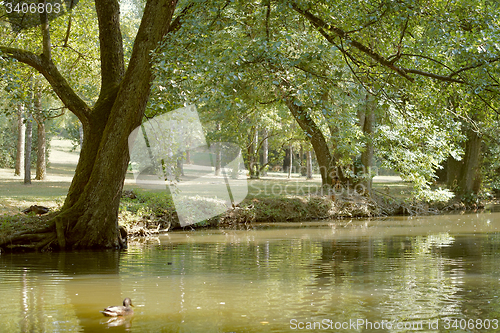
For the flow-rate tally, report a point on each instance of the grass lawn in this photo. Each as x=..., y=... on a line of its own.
x=15, y=196
x=51, y=192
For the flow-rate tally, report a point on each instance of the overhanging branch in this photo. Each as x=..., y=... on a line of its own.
x=49, y=70
x=322, y=27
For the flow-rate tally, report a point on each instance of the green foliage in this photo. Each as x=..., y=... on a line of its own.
x=68, y=127
x=158, y=207
x=279, y=209
x=415, y=145
x=148, y=202
x=8, y=143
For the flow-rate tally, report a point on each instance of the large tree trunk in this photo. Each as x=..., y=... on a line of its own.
x=91, y=221
x=470, y=175
x=89, y=216
x=20, y=141
x=330, y=173
x=464, y=176
x=80, y=132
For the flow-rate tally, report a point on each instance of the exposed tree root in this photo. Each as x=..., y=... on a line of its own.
x=47, y=238
x=30, y=240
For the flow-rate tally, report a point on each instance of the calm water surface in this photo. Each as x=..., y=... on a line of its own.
x=439, y=270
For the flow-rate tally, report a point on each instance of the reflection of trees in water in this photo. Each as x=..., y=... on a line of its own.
x=400, y=278
x=406, y=278
x=48, y=280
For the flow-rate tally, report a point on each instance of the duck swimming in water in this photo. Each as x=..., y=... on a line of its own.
x=120, y=311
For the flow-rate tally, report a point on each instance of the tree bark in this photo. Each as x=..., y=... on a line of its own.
x=253, y=168
x=251, y=157
x=41, y=163
x=218, y=153
x=91, y=222
x=366, y=122
x=328, y=170
x=89, y=216
x=470, y=174
x=80, y=132
x=21, y=128
x=309, y=174
x=255, y=146
x=265, y=152
x=27, y=153
x=290, y=161
x=303, y=170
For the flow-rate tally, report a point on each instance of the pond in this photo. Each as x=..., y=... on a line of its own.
x=427, y=274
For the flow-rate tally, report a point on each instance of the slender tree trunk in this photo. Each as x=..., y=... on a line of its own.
x=20, y=141
x=251, y=157
x=218, y=153
x=27, y=153
x=255, y=145
x=265, y=152
x=367, y=120
x=253, y=169
x=309, y=174
x=303, y=168
x=41, y=162
x=290, y=161
x=180, y=166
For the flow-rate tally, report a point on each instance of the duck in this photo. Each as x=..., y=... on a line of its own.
x=120, y=311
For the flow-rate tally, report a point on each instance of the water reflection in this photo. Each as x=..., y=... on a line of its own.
x=410, y=271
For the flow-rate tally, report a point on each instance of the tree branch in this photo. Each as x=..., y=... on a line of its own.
x=474, y=66
x=176, y=23
x=322, y=26
x=111, y=45
x=68, y=30
x=268, y=14
x=434, y=76
x=49, y=70
x=46, y=45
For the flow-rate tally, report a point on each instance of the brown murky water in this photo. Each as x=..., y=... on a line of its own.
x=426, y=274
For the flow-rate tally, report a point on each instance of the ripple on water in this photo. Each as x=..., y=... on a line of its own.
x=254, y=281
